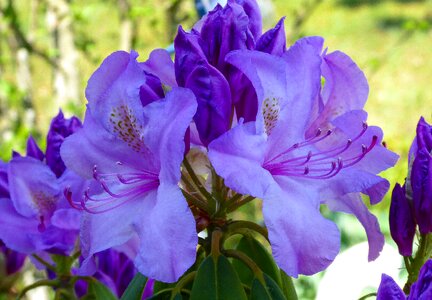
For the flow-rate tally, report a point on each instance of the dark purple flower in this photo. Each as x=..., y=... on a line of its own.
x=421, y=177
x=33, y=149
x=114, y=269
x=308, y=145
x=389, y=290
x=14, y=261
x=402, y=223
x=222, y=91
x=420, y=290
x=133, y=152
x=60, y=128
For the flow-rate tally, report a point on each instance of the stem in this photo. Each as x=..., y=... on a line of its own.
x=195, y=201
x=238, y=226
x=242, y=202
x=44, y=282
x=196, y=180
x=215, y=243
x=182, y=282
x=44, y=262
x=247, y=261
x=422, y=255
x=367, y=296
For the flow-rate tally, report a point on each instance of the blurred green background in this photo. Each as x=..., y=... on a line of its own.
x=49, y=48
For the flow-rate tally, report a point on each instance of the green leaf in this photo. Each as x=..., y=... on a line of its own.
x=217, y=280
x=259, y=254
x=269, y=291
x=135, y=288
x=288, y=286
x=97, y=290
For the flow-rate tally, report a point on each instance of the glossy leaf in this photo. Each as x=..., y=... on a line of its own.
x=268, y=291
x=259, y=254
x=288, y=287
x=217, y=280
x=135, y=288
x=97, y=290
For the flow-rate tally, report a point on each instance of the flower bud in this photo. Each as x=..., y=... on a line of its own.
x=402, y=224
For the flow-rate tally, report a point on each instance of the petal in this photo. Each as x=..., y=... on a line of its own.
x=389, y=290
x=345, y=88
x=160, y=64
x=33, y=149
x=353, y=204
x=273, y=41
x=66, y=219
x=114, y=227
x=244, y=150
x=302, y=240
x=4, y=186
x=253, y=12
x=168, y=236
x=15, y=229
x=166, y=122
x=424, y=135
x=353, y=180
x=33, y=187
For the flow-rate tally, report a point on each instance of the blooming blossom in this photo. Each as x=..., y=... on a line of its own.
x=34, y=214
x=309, y=145
x=132, y=145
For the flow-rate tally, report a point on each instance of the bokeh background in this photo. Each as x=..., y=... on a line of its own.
x=49, y=48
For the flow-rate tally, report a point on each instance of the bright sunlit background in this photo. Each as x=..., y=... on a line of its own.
x=49, y=48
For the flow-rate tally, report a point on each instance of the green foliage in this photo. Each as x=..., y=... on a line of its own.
x=217, y=280
x=135, y=288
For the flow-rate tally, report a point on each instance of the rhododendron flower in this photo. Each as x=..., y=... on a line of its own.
x=132, y=145
x=309, y=145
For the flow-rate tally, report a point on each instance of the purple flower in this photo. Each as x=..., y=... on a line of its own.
x=132, y=145
x=34, y=214
x=402, y=223
x=60, y=129
x=420, y=290
x=114, y=269
x=309, y=145
x=389, y=290
x=14, y=261
x=200, y=64
x=421, y=176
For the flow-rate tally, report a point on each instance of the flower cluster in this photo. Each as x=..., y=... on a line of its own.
x=171, y=147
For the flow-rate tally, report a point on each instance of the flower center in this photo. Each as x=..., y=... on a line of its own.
x=304, y=160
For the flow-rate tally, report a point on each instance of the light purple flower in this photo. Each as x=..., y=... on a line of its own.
x=34, y=214
x=132, y=145
x=308, y=146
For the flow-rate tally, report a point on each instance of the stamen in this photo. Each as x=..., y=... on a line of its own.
x=317, y=162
